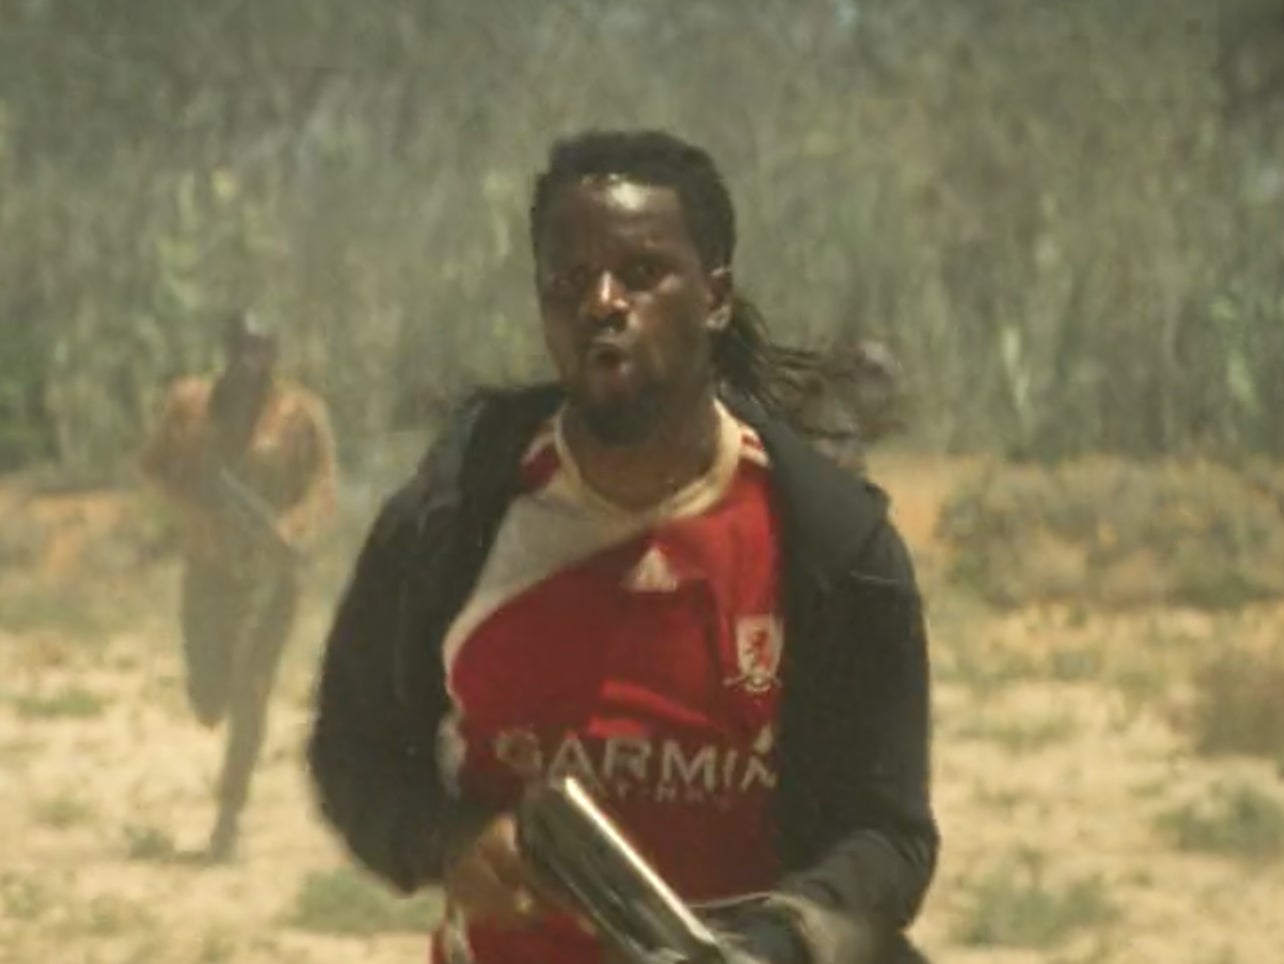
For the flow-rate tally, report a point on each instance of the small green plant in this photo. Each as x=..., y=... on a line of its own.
x=151, y=950
x=36, y=607
x=1140, y=683
x=1014, y=906
x=71, y=703
x=16, y=752
x=148, y=843
x=984, y=669
x=1019, y=735
x=1239, y=705
x=997, y=800
x=22, y=898
x=216, y=948
x=1101, y=951
x=344, y=902
x=107, y=915
x=1073, y=665
x=1241, y=821
x=61, y=812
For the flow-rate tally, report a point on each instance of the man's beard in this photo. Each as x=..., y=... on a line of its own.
x=620, y=422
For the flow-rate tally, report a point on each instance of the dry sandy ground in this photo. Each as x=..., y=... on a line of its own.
x=1057, y=752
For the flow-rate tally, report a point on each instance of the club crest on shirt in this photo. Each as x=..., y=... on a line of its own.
x=758, y=644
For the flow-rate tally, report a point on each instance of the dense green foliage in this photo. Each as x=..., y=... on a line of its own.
x=1065, y=218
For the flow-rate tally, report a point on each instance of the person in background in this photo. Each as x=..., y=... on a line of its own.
x=249, y=461
x=645, y=576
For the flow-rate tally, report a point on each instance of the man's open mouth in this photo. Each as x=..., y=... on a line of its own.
x=606, y=354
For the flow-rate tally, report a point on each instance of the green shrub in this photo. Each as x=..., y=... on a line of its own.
x=1015, y=906
x=148, y=843
x=1113, y=533
x=1238, y=821
x=70, y=703
x=345, y=902
x=1018, y=259
x=1239, y=703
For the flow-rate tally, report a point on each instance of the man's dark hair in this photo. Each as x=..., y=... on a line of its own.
x=783, y=380
x=647, y=157
x=245, y=324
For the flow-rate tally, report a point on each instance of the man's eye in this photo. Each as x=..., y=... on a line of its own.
x=562, y=286
x=641, y=274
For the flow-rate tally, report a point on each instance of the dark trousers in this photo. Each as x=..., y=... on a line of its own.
x=235, y=626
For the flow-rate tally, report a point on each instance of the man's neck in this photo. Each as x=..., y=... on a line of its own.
x=239, y=413
x=637, y=477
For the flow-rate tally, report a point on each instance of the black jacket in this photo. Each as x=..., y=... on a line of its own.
x=853, y=815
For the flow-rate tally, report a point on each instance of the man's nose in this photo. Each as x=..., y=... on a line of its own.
x=607, y=297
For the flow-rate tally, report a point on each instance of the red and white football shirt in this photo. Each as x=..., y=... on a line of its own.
x=637, y=651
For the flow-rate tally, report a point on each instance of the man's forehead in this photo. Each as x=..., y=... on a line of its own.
x=631, y=196
x=616, y=204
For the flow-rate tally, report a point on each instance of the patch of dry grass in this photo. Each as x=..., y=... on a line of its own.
x=1238, y=704
x=22, y=897
x=344, y=901
x=62, y=812
x=1115, y=534
x=1239, y=821
x=1020, y=735
x=1016, y=905
x=148, y=843
x=72, y=702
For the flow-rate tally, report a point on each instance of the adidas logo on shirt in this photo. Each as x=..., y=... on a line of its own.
x=652, y=573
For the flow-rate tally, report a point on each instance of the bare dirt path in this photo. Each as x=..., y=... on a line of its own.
x=1058, y=757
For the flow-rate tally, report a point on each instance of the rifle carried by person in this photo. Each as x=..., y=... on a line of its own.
x=574, y=845
x=251, y=515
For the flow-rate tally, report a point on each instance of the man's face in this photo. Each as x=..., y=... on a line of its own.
x=250, y=360
x=627, y=305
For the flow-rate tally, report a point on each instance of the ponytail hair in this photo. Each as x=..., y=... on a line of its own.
x=787, y=382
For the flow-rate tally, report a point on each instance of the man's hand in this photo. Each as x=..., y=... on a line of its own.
x=488, y=881
x=758, y=938
x=734, y=953
x=730, y=955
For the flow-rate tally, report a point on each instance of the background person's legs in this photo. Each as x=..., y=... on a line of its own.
x=211, y=609
x=254, y=673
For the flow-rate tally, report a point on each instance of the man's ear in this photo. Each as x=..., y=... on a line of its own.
x=721, y=295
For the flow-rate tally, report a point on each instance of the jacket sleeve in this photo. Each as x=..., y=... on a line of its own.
x=373, y=766
x=853, y=903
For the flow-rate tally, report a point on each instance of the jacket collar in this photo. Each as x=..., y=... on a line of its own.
x=829, y=515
